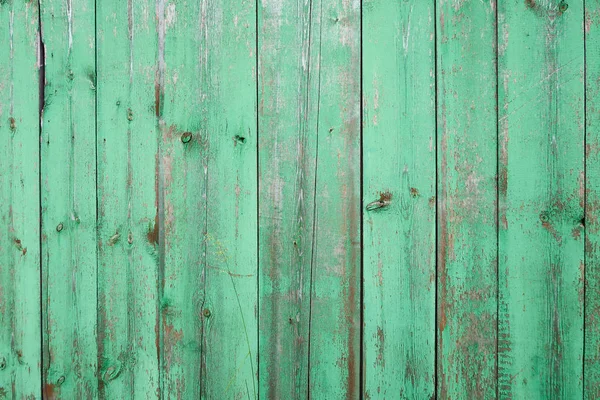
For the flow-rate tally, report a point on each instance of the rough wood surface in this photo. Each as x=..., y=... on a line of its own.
x=467, y=226
x=68, y=159
x=541, y=194
x=128, y=251
x=209, y=193
x=591, y=377
x=299, y=199
x=309, y=142
x=399, y=181
x=20, y=329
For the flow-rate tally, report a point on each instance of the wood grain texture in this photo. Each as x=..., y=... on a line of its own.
x=68, y=187
x=127, y=146
x=591, y=378
x=309, y=132
x=209, y=194
x=20, y=330
x=467, y=228
x=400, y=177
x=541, y=164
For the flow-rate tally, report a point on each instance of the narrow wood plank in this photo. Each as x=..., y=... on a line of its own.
x=467, y=228
x=209, y=189
x=69, y=200
x=309, y=113
x=541, y=192
x=20, y=331
x=289, y=61
x=399, y=193
x=183, y=162
x=592, y=184
x=128, y=268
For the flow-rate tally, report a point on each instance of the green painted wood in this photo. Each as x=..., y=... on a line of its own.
x=399, y=171
x=309, y=151
x=182, y=191
x=20, y=330
x=591, y=377
x=541, y=194
x=467, y=228
x=209, y=193
x=127, y=146
x=289, y=43
x=68, y=187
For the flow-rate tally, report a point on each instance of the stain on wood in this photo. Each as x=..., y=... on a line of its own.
x=466, y=208
x=278, y=199
x=399, y=177
x=541, y=125
x=20, y=284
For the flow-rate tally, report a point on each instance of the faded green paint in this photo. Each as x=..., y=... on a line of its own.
x=309, y=113
x=20, y=330
x=467, y=227
x=68, y=187
x=208, y=176
x=541, y=235
x=591, y=377
x=209, y=171
x=399, y=190
x=128, y=253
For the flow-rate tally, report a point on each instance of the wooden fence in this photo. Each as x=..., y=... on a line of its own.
x=287, y=199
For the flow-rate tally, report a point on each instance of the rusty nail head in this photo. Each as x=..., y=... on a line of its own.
x=206, y=312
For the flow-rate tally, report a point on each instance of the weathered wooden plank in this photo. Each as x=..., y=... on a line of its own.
x=20, y=345
x=399, y=163
x=541, y=195
x=209, y=184
x=309, y=151
x=467, y=228
x=127, y=145
x=289, y=60
x=68, y=185
x=592, y=201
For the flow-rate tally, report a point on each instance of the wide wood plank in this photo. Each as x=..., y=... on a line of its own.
x=400, y=197
x=128, y=238
x=208, y=190
x=68, y=187
x=467, y=228
x=591, y=378
x=20, y=330
x=541, y=194
x=309, y=151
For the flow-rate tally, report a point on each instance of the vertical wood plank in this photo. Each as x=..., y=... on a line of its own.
x=467, y=228
x=230, y=122
x=127, y=199
x=183, y=193
x=289, y=61
x=399, y=194
x=208, y=173
x=541, y=192
x=20, y=344
x=592, y=201
x=309, y=151
x=69, y=199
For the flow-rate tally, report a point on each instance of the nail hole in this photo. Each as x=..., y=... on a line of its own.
x=240, y=139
